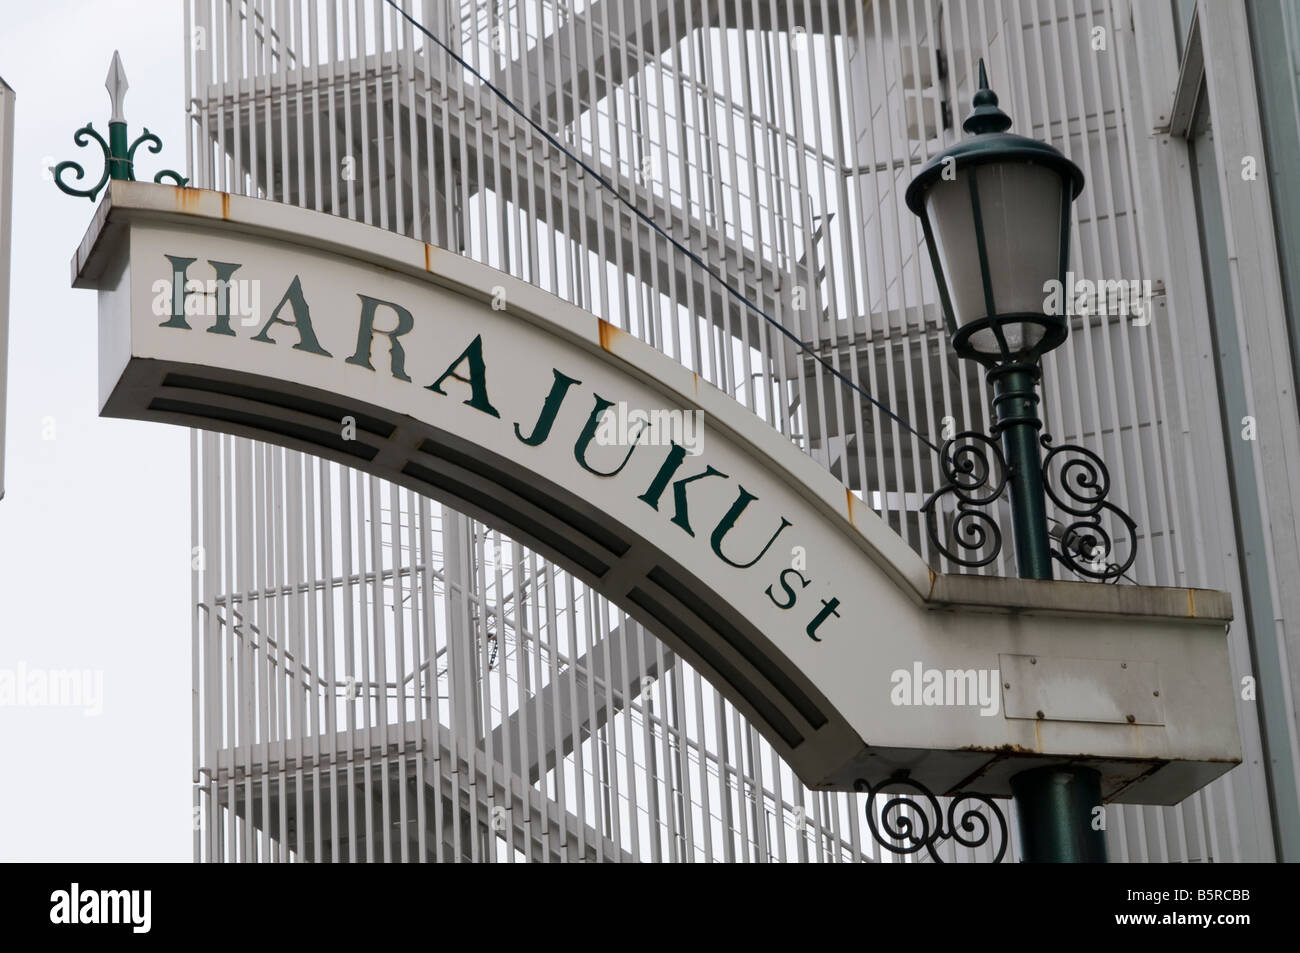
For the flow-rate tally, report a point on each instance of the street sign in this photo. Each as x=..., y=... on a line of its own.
x=855, y=658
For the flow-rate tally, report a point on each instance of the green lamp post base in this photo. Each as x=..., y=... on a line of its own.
x=1057, y=809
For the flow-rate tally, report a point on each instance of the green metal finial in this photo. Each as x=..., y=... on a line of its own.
x=986, y=116
x=119, y=158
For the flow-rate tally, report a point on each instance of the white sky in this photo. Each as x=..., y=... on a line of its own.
x=94, y=526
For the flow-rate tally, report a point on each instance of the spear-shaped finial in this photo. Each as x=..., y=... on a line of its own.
x=119, y=158
x=986, y=116
x=116, y=85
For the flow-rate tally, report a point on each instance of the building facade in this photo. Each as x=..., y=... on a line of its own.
x=379, y=677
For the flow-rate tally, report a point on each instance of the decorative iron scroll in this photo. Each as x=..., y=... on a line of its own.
x=975, y=472
x=80, y=138
x=115, y=166
x=1085, y=546
x=926, y=824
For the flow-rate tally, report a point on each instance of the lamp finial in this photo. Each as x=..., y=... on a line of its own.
x=986, y=117
x=116, y=85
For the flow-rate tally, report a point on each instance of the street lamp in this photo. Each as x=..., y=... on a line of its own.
x=995, y=211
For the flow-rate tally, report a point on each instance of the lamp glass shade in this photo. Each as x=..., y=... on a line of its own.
x=998, y=243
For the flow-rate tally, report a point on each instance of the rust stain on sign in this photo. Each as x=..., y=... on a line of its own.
x=608, y=334
x=187, y=199
x=999, y=749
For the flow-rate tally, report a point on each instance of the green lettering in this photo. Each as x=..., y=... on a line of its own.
x=589, y=431
x=542, y=429
x=657, y=486
x=301, y=321
x=786, y=586
x=477, y=379
x=743, y=499
x=828, y=609
x=180, y=278
x=366, y=334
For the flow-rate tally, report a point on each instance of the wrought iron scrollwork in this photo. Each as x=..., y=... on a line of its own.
x=116, y=166
x=1076, y=481
x=975, y=474
x=911, y=823
x=155, y=147
x=1085, y=545
x=81, y=137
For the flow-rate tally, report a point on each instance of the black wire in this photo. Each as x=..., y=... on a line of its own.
x=656, y=227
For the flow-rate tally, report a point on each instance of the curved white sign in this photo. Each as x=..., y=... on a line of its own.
x=788, y=592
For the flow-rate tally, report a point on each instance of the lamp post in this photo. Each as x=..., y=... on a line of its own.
x=995, y=211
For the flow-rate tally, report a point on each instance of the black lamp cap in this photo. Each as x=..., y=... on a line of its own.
x=986, y=117
x=988, y=141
